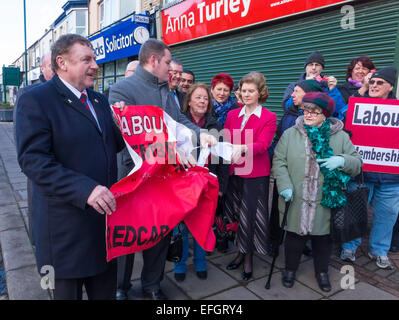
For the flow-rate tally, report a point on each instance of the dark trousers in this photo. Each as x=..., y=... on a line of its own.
x=321, y=245
x=125, y=270
x=98, y=287
x=154, y=260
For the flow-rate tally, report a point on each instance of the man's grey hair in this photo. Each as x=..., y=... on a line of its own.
x=129, y=65
x=176, y=61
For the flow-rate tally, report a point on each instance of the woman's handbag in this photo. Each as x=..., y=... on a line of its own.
x=350, y=222
x=175, y=250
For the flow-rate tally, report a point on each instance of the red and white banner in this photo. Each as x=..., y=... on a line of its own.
x=192, y=19
x=374, y=124
x=159, y=193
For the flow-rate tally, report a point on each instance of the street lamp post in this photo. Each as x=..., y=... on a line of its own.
x=26, y=55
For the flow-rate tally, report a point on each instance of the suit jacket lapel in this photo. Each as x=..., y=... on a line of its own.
x=72, y=101
x=98, y=108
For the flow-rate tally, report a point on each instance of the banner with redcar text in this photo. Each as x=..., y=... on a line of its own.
x=159, y=192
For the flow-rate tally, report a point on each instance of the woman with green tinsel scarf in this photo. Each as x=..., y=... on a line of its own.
x=312, y=163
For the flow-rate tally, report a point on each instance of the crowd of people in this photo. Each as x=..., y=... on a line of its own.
x=307, y=153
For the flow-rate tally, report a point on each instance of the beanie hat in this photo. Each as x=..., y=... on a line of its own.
x=310, y=86
x=387, y=73
x=315, y=56
x=321, y=100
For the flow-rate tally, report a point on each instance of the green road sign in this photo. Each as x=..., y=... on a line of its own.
x=11, y=76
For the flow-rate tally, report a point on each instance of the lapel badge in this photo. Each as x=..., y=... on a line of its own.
x=69, y=101
x=95, y=100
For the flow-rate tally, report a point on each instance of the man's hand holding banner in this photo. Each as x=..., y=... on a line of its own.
x=158, y=193
x=374, y=124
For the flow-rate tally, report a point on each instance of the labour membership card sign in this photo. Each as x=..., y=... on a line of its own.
x=374, y=124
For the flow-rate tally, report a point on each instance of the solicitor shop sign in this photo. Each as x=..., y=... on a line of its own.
x=193, y=19
x=374, y=124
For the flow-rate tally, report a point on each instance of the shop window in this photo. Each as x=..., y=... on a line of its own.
x=108, y=82
x=101, y=15
x=110, y=12
x=121, y=66
x=127, y=7
x=81, y=25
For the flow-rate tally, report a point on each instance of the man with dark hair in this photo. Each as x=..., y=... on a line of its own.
x=149, y=86
x=46, y=74
x=187, y=80
x=175, y=73
x=67, y=143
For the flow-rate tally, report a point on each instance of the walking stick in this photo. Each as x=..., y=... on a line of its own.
x=287, y=206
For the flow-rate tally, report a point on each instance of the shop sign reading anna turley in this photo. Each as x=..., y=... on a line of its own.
x=121, y=40
x=192, y=19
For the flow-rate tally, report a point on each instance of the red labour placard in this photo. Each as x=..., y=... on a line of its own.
x=159, y=193
x=192, y=19
x=374, y=124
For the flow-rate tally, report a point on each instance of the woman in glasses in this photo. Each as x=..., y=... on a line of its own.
x=312, y=162
x=384, y=188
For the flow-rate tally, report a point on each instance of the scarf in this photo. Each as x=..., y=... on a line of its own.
x=355, y=83
x=221, y=109
x=335, y=180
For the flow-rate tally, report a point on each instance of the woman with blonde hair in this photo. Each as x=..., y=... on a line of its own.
x=251, y=129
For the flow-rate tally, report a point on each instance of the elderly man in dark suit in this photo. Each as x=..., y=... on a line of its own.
x=67, y=143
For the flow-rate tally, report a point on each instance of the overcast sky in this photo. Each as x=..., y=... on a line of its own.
x=40, y=14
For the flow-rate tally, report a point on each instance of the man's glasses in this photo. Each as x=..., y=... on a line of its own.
x=379, y=82
x=312, y=113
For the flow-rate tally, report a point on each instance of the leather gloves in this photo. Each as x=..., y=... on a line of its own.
x=332, y=163
x=287, y=194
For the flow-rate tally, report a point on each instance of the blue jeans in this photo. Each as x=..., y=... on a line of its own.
x=384, y=199
x=199, y=253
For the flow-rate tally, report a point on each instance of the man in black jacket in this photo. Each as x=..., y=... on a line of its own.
x=67, y=143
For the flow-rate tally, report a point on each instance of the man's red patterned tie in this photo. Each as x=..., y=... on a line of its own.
x=83, y=99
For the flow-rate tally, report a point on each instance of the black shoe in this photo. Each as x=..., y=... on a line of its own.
x=288, y=278
x=246, y=275
x=121, y=295
x=233, y=265
x=323, y=281
x=202, y=274
x=155, y=295
x=180, y=277
x=307, y=251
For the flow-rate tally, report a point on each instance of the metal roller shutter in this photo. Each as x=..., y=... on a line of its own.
x=279, y=50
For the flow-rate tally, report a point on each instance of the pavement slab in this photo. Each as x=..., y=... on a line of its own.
x=238, y=293
x=197, y=288
x=278, y=292
x=11, y=220
x=17, y=250
x=363, y=291
x=24, y=284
